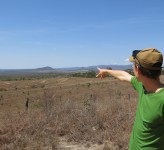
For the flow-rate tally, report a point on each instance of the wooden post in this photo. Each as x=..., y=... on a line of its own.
x=27, y=102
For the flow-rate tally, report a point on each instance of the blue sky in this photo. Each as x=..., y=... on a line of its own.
x=68, y=33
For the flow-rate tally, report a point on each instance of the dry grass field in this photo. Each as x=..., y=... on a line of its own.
x=66, y=114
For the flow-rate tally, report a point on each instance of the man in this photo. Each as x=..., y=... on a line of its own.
x=148, y=129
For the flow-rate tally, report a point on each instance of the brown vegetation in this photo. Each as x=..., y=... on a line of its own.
x=87, y=112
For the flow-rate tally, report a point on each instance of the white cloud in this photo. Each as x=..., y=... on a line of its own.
x=127, y=60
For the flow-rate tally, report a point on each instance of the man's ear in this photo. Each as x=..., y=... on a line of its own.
x=138, y=70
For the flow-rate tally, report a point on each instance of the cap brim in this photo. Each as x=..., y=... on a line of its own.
x=131, y=59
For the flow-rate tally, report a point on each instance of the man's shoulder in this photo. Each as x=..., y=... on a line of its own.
x=136, y=84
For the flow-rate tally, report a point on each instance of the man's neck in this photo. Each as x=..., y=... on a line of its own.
x=152, y=85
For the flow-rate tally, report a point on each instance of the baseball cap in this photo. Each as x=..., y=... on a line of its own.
x=149, y=58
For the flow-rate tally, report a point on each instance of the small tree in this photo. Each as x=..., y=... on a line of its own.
x=109, y=68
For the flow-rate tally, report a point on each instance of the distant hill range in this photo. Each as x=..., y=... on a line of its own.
x=60, y=70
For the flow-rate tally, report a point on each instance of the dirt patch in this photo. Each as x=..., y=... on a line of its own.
x=64, y=145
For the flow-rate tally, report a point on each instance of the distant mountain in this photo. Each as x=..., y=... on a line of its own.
x=48, y=69
x=44, y=68
x=94, y=68
x=27, y=71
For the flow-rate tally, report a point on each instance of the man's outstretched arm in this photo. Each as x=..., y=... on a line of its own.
x=119, y=74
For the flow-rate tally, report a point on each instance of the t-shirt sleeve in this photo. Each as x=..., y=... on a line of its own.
x=135, y=83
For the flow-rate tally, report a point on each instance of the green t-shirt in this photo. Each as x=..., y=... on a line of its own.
x=148, y=129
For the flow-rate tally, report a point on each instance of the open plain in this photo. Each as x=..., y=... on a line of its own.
x=66, y=113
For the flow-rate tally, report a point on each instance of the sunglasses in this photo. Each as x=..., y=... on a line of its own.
x=135, y=52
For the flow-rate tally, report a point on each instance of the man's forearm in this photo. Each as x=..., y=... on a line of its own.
x=119, y=74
